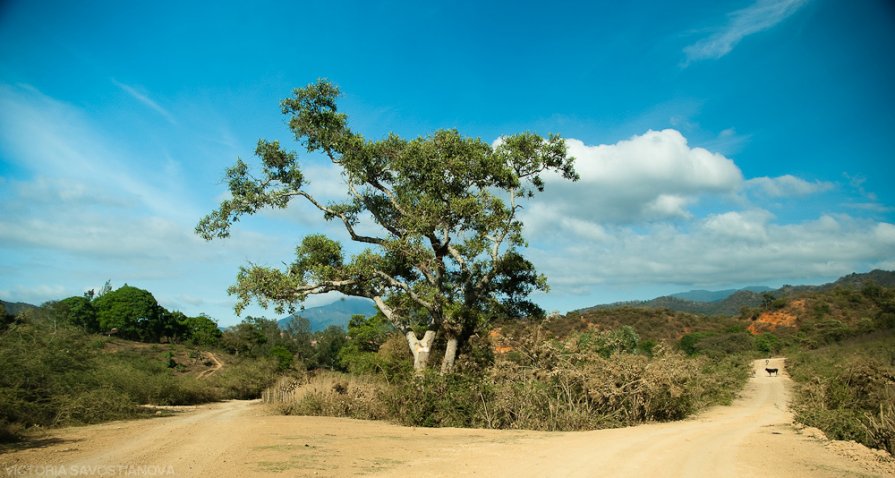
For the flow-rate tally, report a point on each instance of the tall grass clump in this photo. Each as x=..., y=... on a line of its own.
x=327, y=393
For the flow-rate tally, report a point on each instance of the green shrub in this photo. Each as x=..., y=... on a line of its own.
x=767, y=343
x=435, y=400
x=93, y=406
x=848, y=391
x=283, y=357
x=542, y=384
x=246, y=379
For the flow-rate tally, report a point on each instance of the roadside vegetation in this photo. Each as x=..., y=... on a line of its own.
x=604, y=368
x=845, y=366
x=60, y=365
x=586, y=371
x=524, y=380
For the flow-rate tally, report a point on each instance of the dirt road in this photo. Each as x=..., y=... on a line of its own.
x=753, y=437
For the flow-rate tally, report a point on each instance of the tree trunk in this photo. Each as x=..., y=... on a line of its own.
x=420, y=349
x=450, y=354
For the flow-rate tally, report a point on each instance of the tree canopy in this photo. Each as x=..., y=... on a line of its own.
x=128, y=309
x=445, y=254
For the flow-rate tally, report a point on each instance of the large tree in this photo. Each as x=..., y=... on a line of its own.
x=130, y=310
x=446, y=211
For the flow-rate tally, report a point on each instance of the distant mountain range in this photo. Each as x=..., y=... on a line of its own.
x=721, y=302
x=14, y=308
x=731, y=301
x=337, y=313
x=716, y=295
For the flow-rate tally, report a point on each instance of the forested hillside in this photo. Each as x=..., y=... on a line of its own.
x=735, y=302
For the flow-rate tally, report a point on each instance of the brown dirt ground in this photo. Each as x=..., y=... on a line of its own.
x=753, y=437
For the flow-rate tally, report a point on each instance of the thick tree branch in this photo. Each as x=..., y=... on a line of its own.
x=348, y=226
x=406, y=288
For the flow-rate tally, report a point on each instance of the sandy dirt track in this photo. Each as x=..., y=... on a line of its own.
x=753, y=437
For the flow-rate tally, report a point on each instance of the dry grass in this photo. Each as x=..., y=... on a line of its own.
x=329, y=394
x=540, y=385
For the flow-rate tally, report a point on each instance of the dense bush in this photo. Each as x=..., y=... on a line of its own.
x=53, y=373
x=47, y=371
x=595, y=379
x=848, y=390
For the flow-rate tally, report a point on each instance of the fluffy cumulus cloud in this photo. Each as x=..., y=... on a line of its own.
x=639, y=216
x=653, y=176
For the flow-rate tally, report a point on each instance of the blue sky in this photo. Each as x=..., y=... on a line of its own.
x=720, y=144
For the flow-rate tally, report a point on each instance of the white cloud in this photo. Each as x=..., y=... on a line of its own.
x=653, y=176
x=88, y=204
x=760, y=16
x=144, y=99
x=729, y=248
x=652, y=211
x=59, y=143
x=885, y=234
x=787, y=185
x=750, y=226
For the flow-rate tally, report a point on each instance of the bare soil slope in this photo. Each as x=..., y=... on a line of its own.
x=753, y=437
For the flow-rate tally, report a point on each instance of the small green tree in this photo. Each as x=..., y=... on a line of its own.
x=78, y=311
x=446, y=251
x=252, y=336
x=365, y=337
x=299, y=331
x=203, y=330
x=329, y=343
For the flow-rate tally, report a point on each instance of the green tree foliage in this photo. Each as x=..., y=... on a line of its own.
x=78, y=311
x=717, y=345
x=768, y=343
x=283, y=357
x=690, y=343
x=259, y=337
x=446, y=254
x=299, y=331
x=203, y=330
x=365, y=338
x=254, y=337
x=133, y=312
x=329, y=343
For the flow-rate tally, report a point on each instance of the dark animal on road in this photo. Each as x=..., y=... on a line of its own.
x=771, y=371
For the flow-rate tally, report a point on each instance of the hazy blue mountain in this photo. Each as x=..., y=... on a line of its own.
x=716, y=295
x=338, y=313
x=13, y=308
